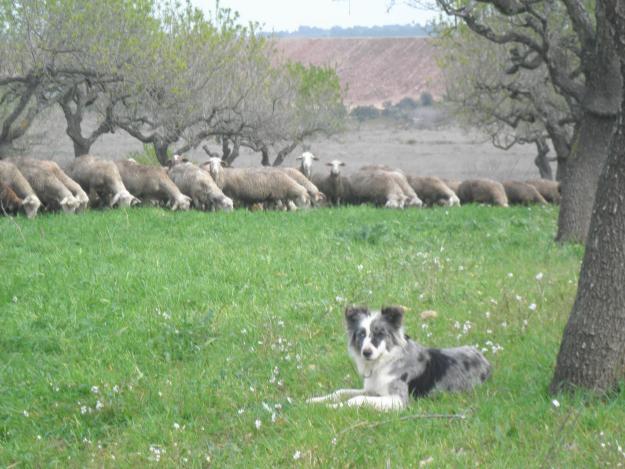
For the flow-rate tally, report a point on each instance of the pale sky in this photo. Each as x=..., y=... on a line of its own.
x=288, y=15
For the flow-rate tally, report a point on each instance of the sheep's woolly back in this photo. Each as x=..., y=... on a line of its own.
x=432, y=190
x=485, y=191
x=200, y=186
x=520, y=193
x=377, y=187
x=550, y=190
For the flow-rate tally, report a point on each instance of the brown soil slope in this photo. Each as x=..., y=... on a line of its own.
x=373, y=69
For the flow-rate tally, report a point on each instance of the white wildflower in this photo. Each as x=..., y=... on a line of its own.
x=339, y=299
x=25, y=413
x=532, y=306
x=518, y=297
x=257, y=424
x=99, y=405
x=360, y=267
x=176, y=426
x=83, y=409
x=555, y=403
x=116, y=389
x=240, y=411
x=95, y=389
x=297, y=455
x=510, y=275
x=539, y=276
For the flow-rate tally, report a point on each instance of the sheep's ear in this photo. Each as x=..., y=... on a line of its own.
x=315, y=158
x=299, y=158
x=223, y=163
x=394, y=315
x=329, y=164
x=353, y=314
x=341, y=164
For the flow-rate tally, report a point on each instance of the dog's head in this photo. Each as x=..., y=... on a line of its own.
x=372, y=334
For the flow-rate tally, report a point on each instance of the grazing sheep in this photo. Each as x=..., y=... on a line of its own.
x=316, y=197
x=433, y=191
x=550, y=190
x=412, y=198
x=377, y=187
x=51, y=192
x=199, y=186
x=252, y=185
x=151, y=183
x=101, y=179
x=11, y=177
x=519, y=193
x=485, y=191
x=306, y=163
x=335, y=186
x=72, y=186
x=10, y=203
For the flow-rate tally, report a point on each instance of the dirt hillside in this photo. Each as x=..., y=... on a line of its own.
x=373, y=69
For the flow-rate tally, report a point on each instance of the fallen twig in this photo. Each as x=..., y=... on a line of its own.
x=368, y=424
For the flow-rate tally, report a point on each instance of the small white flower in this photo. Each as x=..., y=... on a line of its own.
x=281, y=323
x=244, y=331
x=539, y=276
x=25, y=413
x=487, y=314
x=339, y=299
x=510, y=275
x=240, y=411
x=252, y=389
x=518, y=297
x=524, y=322
x=461, y=268
x=489, y=331
x=360, y=267
x=532, y=306
x=504, y=324
x=116, y=389
x=98, y=405
x=257, y=424
x=95, y=389
x=39, y=437
x=297, y=455
x=83, y=409
x=333, y=441
x=176, y=426
x=266, y=407
x=555, y=403
x=273, y=417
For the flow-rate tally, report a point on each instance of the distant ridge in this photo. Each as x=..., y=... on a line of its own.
x=391, y=30
x=375, y=70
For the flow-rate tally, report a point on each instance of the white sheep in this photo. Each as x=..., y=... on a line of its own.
x=257, y=185
x=73, y=186
x=51, y=192
x=412, y=198
x=306, y=163
x=151, y=183
x=335, y=186
x=200, y=186
x=10, y=176
x=433, y=191
x=377, y=187
x=101, y=179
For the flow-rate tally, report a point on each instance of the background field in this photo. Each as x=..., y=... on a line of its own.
x=193, y=339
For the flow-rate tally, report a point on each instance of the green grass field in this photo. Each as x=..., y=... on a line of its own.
x=145, y=337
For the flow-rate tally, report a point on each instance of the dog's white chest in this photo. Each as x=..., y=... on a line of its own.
x=377, y=383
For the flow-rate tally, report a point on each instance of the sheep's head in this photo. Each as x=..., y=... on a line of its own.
x=454, y=201
x=213, y=166
x=31, y=205
x=124, y=199
x=69, y=204
x=413, y=202
x=335, y=167
x=183, y=203
x=306, y=163
x=223, y=203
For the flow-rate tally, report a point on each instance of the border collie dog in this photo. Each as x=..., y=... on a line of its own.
x=394, y=367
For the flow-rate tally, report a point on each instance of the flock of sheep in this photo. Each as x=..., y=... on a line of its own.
x=26, y=184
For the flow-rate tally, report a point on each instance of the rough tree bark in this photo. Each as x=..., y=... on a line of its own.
x=592, y=353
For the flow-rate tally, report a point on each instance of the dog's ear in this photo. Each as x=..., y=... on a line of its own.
x=394, y=315
x=354, y=313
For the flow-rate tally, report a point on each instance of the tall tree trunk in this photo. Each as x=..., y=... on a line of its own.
x=580, y=175
x=264, y=151
x=542, y=161
x=283, y=153
x=162, y=152
x=592, y=353
x=234, y=152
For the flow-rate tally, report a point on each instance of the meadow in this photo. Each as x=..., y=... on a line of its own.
x=148, y=338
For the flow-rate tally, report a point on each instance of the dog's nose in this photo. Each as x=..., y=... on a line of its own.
x=367, y=353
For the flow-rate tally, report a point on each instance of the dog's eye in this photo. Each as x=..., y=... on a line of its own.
x=362, y=333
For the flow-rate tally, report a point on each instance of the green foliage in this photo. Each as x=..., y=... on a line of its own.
x=364, y=113
x=136, y=336
x=147, y=156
